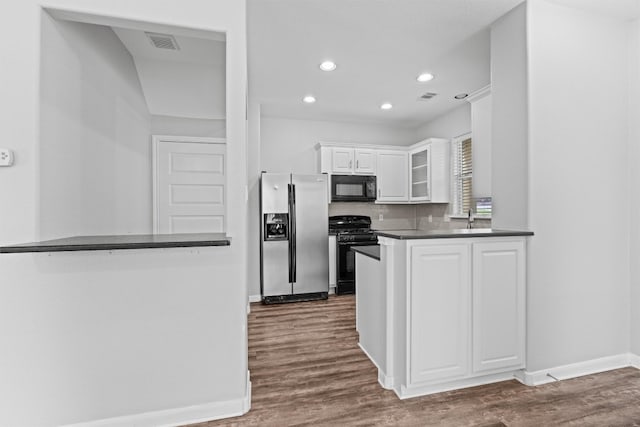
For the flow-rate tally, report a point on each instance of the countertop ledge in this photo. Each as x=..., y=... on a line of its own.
x=125, y=241
x=450, y=233
x=372, y=251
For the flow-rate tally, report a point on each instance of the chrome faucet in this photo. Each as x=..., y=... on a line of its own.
x=470, y=219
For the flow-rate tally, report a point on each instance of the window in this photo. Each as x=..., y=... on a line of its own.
x=462, y=175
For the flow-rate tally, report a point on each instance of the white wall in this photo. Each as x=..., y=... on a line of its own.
x=288, y=145
x=449, y=125
x=70, y=322
x=179, y=88
x=578, y=283
x=253, y=220
x=181, y=126
x=634, y=178
x=509, y=121
x=95, y=149
x=482, y=147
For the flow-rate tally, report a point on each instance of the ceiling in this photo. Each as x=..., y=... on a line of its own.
x=618, y=9
x=188, y=82
x=380, y=46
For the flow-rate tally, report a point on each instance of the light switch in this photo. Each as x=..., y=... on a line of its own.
x=6, y=157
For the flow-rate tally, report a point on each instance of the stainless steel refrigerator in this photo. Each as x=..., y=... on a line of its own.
x=294, y=254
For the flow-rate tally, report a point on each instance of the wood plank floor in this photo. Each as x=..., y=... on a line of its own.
x=307, y=370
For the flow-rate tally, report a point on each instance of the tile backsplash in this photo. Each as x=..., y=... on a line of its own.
x=397, y=217
x=394, y=216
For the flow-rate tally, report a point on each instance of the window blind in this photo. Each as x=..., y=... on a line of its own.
x=462, y=173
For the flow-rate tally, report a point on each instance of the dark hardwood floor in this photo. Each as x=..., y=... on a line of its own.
x=307, y=370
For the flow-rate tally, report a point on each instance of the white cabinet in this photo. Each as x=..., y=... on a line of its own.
x=465, y=317
x=342, y=160
x=439, y=312
x=415, y=174
x=498, y=305
x=347, y=161
x=365, y=161
x=420, y=188
x=392, y=176
x=430, y=169
x=332, y=262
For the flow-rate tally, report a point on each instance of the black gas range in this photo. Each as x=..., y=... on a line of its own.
x=350, y=230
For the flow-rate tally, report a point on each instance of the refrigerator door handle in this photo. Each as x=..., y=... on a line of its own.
x=292, y=235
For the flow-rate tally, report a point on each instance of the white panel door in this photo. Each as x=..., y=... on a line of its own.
x=439, y=312
x=393, y=176
x=498, y=305
x=189, y=185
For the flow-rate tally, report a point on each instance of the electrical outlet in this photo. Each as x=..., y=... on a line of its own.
x=380, y=217
x=430, y=218
x=447, y=218
x=6, y=157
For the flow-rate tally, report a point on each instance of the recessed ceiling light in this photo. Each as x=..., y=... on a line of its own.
x=328, y=66
x=309, y=99
x=386, y=106
x=461, y=96
x=424, y=77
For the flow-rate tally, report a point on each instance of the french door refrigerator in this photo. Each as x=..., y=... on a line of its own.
x=294, y=254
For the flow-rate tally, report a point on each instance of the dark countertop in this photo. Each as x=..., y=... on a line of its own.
x=450, y=233
x=372, y=251
x=125, y=241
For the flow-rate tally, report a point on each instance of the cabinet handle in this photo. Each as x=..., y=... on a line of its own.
x=350, y=163
x=378, y=192
x=357, y=164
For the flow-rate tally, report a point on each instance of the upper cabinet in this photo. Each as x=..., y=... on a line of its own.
x=420, y=159
x=347, y=161
x=415, y=174
x=392, y=182
x=429, y=171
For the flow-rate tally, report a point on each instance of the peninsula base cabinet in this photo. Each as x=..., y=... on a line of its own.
x=458, y=312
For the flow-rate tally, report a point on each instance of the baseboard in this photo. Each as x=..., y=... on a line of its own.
x=634, y=360
x=421, y=389
x=385, y=380
x=579, y=369
x=179, y=416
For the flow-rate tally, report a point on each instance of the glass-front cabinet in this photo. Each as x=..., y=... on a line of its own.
x=420, y=174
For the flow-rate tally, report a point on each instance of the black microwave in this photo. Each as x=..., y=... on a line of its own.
x=353, y=188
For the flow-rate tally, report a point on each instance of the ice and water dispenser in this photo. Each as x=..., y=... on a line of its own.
x=276, y=226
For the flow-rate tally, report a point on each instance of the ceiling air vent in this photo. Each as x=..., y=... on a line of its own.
x=163, y=41
x=426, y=96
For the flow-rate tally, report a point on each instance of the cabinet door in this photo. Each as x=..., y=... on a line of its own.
x=420, y=175
x=498, y=305
x=439, y=312
x=365, y=162
x=393, y=176
x=342, y=161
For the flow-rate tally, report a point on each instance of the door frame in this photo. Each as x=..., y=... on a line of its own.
x=155, y=142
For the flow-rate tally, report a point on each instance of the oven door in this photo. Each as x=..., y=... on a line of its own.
x=346, y=266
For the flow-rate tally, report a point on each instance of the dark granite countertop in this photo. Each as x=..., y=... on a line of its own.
x=372, y=251
x=125, y=241
x=450, y=233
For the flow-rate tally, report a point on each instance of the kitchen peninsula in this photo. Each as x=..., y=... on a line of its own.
x=443, y=309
